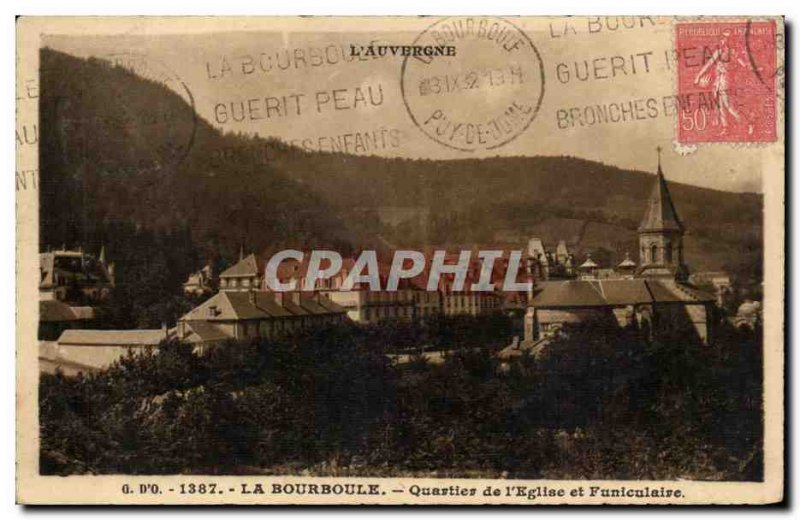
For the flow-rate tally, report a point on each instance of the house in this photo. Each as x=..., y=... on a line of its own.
x=200, y=282
x=655, y=296
x=256, y=314
x=245, y=275
x=74, y=276
x=71, y=282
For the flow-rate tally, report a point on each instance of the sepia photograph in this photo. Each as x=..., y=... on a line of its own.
x=420, y=260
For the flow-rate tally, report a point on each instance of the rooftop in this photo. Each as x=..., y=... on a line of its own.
x=660, y=214
x=250, y=305
x=121, y=338
x=599, y=293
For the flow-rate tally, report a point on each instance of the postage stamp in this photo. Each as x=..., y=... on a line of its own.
x=726, y=82
x=401, y=260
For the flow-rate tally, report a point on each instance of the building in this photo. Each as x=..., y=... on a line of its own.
x=546, y=264
x=363, y=305
x=86, y=351
x=718, y=281
x=465, y=301
x=56, y=316
x=74, y=276
x=200, y=282
x=655, y=296
x=653, y=305
x=411, y=300
x=71, y=283
x=256, y=314
x=245, y=275
x=360, y=303
x=661, y=236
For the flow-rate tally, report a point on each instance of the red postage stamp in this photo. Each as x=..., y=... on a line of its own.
x=726, y=82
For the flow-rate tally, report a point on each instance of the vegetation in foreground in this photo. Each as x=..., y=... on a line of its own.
x=599, y=403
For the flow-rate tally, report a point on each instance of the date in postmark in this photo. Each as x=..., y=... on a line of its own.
x=726, y=82
x=483, y=97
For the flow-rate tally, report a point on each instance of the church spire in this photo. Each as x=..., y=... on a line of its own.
x=661, y=233
x=660, y=214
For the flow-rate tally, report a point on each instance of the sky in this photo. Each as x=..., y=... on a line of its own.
x=297, y=82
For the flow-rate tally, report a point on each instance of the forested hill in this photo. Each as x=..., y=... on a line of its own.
x=117, y=148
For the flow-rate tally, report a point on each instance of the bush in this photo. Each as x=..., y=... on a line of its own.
x=598, y=403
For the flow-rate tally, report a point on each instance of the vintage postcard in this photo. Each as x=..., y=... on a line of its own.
x=400, y=260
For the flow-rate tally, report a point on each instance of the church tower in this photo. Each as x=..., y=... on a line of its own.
x=661, y=235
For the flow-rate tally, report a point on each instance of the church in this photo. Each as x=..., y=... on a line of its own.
x=654, y=296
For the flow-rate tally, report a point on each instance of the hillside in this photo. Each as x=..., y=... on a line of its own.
x=107, y=156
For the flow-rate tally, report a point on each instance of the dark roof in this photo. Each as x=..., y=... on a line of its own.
x=569, y=293
x=204, y=331
x=312, y=307
x=255, y=305
x=625, y=292
x=601, y=293
x=54, y=310
x=660, y=214
x=262, y=305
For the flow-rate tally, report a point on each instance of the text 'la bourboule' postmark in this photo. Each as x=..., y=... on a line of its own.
x=483, y=96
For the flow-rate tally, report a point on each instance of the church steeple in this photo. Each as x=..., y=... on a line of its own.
x=661, y=233
x=660, y=214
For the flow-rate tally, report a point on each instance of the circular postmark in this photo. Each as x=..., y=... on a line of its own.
x=164, y=125
x=479, y=87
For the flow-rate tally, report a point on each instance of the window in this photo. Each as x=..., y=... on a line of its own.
x=668, y=253
x=653, y=254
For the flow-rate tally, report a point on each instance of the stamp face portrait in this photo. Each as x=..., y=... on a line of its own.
x=483, y=95
x=466, y=260
x=726, y=82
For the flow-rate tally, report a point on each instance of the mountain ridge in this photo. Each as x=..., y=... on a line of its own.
x=99, y=167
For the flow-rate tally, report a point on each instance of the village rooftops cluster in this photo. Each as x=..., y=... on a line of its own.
x=291, y=290
x=366, y=271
